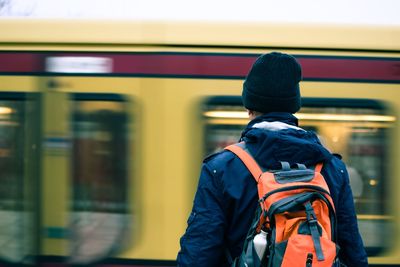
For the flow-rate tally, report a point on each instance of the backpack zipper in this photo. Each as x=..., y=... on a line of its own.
x=288, y=188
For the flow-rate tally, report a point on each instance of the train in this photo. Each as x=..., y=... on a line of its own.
x=104, y=126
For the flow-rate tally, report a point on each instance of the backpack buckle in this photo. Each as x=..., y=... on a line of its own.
x=311, y=217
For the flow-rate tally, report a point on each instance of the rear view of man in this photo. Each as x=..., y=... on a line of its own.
x=226, y=197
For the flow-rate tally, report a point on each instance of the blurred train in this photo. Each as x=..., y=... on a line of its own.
x=103, y=127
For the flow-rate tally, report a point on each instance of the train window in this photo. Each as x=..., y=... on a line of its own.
x=99, y=176
x=355, y=129
x=18, y=141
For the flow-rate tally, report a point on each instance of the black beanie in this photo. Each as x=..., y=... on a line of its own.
x=273, y=84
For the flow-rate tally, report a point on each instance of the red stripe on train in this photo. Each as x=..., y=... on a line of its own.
x=351, y=68
x=210, y=65
x=20, y=62
x=187, y=65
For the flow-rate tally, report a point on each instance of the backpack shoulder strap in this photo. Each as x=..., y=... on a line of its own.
x=318, y=167
x=240, y=151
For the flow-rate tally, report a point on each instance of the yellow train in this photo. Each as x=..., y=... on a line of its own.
x=104, y=125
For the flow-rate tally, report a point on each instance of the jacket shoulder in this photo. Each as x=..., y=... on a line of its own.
x=337, y=161
x=219, y=157
x=335, y=174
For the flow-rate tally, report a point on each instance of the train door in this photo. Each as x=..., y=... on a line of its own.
x=358, y=130
x=86, y=168
x=19, y=170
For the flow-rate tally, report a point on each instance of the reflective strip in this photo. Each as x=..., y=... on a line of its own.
x=56, y=232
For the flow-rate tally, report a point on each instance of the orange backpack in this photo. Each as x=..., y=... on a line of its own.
x=296, y=213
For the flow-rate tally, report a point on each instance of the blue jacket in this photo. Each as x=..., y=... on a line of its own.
x=226, y=197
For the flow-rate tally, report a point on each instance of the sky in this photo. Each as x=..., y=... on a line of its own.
x=359, y=12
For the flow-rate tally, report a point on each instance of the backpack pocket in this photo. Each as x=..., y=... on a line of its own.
x=299, y=250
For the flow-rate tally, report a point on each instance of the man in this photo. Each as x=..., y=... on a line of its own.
x=226, y=198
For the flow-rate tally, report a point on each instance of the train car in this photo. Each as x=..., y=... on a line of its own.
x=104, y=125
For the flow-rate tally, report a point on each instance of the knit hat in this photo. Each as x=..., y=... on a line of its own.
x=273, y=84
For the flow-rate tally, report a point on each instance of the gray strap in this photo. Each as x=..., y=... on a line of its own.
x=312, y=223
x=246, y=257
x=285, y=166
x=301, y=166
x=228, y=256
x=251, y=257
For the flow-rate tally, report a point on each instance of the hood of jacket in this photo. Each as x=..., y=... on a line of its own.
x=276, y=137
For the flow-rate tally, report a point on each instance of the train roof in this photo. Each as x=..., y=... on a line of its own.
x=213, y=34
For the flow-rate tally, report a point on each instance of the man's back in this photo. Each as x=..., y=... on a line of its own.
x=227, y=195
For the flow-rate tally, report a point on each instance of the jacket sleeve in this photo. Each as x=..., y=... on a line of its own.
x=202, y=243
x=352, y=252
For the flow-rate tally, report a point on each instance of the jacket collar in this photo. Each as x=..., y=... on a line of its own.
x=285, y=142
x=285, y=117
x=278, y=120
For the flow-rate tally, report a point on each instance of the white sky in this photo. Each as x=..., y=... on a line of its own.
x=375, y=12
